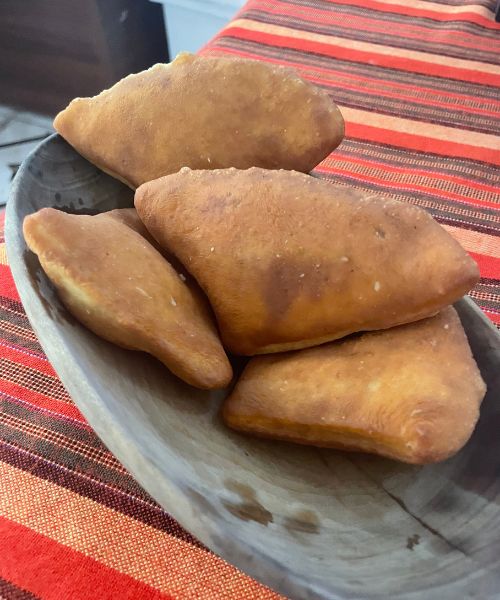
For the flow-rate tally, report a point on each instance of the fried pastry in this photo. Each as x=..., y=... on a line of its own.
x=206, y=113
x=411, y=393
x=289, y=261
x=113, y=281
x=130, y=218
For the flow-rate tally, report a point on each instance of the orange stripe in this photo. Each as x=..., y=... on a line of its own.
x=51, y=571
x=154, y=557
x=473, y=241
x=436, y=133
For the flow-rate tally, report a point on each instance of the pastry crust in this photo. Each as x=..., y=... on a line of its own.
x=206, y=113
x=114, y=282
x=289, y=261
x=411, y=393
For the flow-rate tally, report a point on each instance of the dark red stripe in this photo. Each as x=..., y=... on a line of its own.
x=41, y=400
x=9, y=591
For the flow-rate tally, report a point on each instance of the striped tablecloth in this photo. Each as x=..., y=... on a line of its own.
x=419, y=85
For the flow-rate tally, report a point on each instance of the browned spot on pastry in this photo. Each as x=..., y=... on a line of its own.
x=300, y=261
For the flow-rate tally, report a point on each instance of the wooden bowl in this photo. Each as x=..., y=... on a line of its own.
x=309, y=523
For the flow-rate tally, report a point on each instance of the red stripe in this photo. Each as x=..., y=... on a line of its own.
x=34, y=398
x=401, y=185
x=7, y=285
x=423, y=144
x=53, y=571
x=431, y=174
x=357, y=23
x=385, y=60
x=307, y=71
x=489, y=266
x=34, y=362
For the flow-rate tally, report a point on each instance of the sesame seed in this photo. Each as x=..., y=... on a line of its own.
x=376, y=286
x=172, y=301
x=212, y=249
x=182, y=276
x=344, y=259
x=302, y=275
x=446, y=326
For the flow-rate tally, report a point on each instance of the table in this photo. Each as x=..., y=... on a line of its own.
x=418, y=83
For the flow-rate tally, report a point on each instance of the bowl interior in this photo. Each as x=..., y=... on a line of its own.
x=310, y=523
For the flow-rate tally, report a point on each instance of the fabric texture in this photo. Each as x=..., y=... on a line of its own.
x=418, y=83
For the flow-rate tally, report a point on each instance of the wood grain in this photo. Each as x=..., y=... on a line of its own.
x=313, y=524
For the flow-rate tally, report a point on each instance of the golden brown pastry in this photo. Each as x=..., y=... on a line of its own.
x=289, y=261
x=206, y=113
x=411, y=393
x=114, y=282
x=130, y=218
